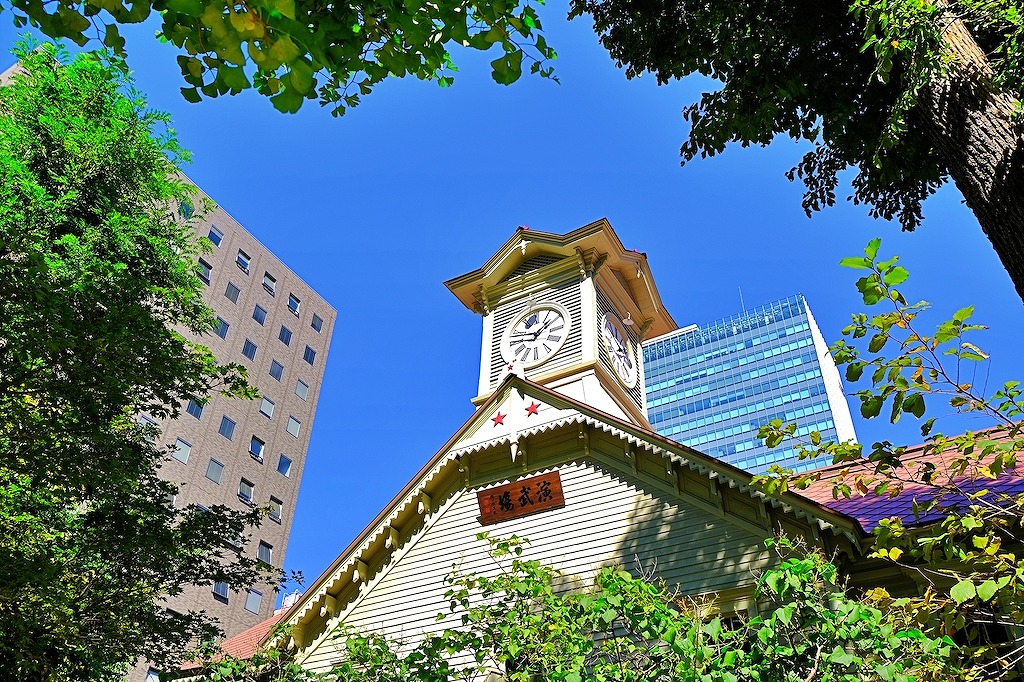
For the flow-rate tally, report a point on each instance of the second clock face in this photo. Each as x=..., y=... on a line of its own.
x=620, y=350
x=535, y=335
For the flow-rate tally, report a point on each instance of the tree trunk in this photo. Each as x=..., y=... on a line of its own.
x=968, y=121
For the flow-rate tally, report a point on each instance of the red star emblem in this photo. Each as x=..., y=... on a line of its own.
x=532, y=409
x=498, y=419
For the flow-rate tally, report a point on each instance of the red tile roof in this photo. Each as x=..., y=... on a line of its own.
x=244, y=644
x=869, y=508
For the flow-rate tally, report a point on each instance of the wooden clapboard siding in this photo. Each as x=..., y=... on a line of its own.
x=608, y=519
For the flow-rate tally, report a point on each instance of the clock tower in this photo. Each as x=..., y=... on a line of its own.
x=569, y=312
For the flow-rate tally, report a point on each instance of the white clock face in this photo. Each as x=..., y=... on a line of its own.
x=535, y=335
x=620, y=350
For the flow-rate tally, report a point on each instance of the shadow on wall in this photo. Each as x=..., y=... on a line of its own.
x=692, y=550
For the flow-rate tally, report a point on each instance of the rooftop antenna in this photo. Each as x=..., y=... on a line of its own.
x=742, y=307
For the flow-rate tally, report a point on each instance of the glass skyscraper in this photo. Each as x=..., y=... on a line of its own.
x=712, y=386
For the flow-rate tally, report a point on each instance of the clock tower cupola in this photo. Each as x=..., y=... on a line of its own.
x=569, y=312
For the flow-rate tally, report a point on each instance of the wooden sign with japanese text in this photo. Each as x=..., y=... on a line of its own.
x=522, y=498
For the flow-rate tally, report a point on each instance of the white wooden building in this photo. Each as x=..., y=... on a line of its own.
x=560, y=402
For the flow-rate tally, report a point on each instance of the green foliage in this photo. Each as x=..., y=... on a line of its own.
x=965, y=547
x=97, y=270
x=298, y=50
x=528, y=621
x=843, y=76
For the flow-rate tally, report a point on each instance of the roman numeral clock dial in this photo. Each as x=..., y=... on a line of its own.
x=620, y=351
x=535, y=335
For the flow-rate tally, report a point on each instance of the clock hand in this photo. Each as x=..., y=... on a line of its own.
x=528, y=332
x=546, y=325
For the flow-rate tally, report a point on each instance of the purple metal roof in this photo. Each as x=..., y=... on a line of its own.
x=870, y=508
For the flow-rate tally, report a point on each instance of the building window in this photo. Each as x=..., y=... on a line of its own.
x=269, y=283
x=245, y=491
x=214, y=470
x=148, y=426
x=220, y=592
x=265, y=553
x=227, y=427
x=242, y=261
x=182, y=449
x=276, y=509
x=285, y=336
x=215, y=236
x=301, y=389
x=249, y=349
x=259, y=314
x=276, y=369
x=186, y=211
x=293, y=303
x=152, y=675
x=205, y=270
x=267, y=407
x=253, y=601
x=221, y=329
x=256, y=449
x=309, y=355
x=317, y=323
x=284, y=465
x=231, y=293
x=293, y=426
x=195, y=409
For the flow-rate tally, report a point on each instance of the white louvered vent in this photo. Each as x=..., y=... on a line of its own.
x=531, y=264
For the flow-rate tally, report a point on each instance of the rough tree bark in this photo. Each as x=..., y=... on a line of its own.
x=969, y=122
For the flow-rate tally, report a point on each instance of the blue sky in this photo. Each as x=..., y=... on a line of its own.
x=418, y=185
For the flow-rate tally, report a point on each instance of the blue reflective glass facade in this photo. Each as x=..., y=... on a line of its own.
x=712, y=386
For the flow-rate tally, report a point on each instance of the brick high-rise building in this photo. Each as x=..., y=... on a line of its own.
x=250, y=453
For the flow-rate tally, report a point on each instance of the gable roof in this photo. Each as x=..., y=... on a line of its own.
x=597, y=238
x=482, y=432
x=869, y=508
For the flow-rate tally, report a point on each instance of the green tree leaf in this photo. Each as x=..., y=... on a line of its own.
x=963, y=591
x=987, y=590
x=897, y=275
x=856, y=263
